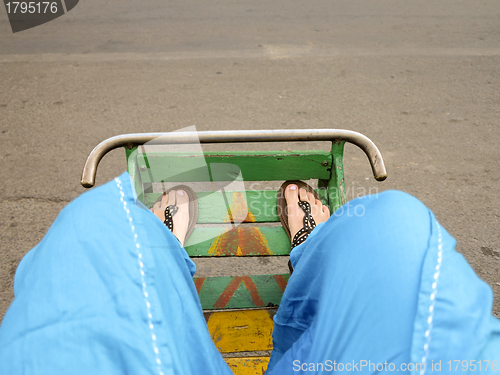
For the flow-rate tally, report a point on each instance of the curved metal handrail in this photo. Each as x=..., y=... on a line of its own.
x=296, y=135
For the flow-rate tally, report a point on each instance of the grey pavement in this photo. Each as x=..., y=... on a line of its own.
x=420, y=78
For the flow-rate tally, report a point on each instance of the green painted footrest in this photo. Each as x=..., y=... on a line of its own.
x=239, y=241
x=236, y=292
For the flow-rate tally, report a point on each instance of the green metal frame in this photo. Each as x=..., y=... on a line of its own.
x=257, y=240
x=326, y=167
x=249, y=291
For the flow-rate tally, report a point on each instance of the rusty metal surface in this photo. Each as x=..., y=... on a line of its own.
x=295, y=135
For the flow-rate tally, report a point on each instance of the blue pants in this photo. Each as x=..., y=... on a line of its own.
x=109, y=290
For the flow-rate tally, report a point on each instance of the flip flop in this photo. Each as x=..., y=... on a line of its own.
x=308, y=221
x=171, y=210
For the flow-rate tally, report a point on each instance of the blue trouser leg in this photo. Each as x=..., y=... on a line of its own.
x=109, y=291
x=380, y=282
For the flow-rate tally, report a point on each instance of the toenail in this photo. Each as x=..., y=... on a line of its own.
x=293, y=187
x=180, y=192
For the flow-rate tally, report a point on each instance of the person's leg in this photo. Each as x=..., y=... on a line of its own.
x=108, y=290
x=378, y=283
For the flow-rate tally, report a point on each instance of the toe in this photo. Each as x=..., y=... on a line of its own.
x=291, y=194
x=319, y=205
x=181, y=197
x=303, y=195
x=171, y=198
x=311, y=198
x=316, y=207
x=326, y=210
x=162, y=204
x=159, y=207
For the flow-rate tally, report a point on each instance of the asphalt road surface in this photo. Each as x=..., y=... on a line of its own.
x=420, y=78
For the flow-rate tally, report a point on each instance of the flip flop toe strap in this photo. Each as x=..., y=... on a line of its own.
x=308, y=224
x=170, y=211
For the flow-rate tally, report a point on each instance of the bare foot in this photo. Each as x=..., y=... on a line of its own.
x=320, y=212
x=181, y=218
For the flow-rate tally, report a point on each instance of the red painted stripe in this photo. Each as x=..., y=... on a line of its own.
x=233, y=285
x=281, y=282
x=252, y=288
x=198, y=283
x=228, y=293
